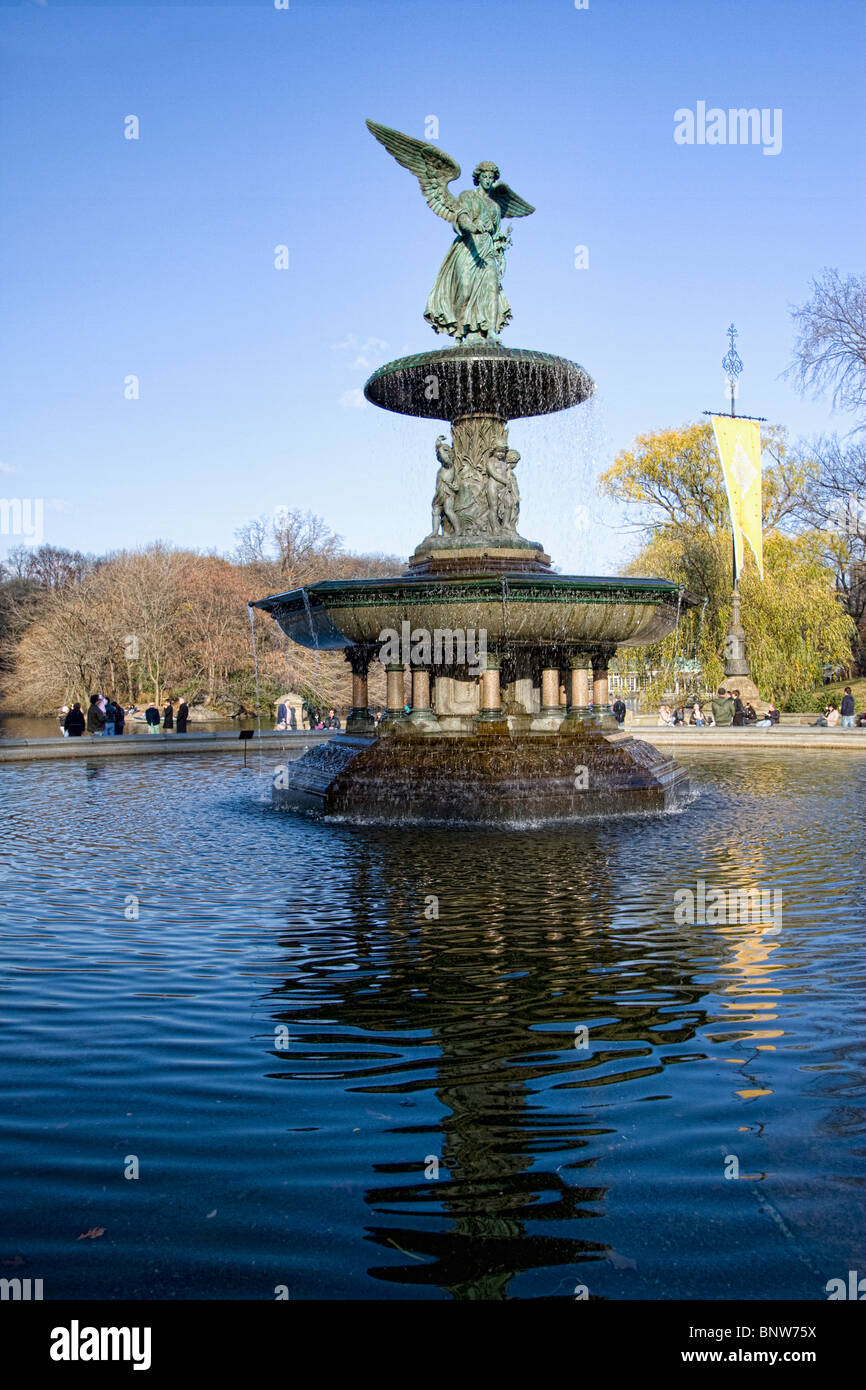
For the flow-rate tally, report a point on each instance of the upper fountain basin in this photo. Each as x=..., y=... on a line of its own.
x=515, y=610
x=479, y=379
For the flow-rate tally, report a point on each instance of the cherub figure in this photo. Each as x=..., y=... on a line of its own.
x=446, y=489
x=512, y=493
x=497, y=485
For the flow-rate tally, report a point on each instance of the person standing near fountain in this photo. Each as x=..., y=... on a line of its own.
x=74, y=723
x=95, y=717
x=182, y=715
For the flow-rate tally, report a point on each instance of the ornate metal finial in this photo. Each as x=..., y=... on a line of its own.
x=732, y=364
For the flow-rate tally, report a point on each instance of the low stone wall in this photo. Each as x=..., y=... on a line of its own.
x=155, y=746
x=650, y=721
x=815, y=740
x=275, y=743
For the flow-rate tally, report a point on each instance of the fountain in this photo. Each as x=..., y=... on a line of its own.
x=484, y=625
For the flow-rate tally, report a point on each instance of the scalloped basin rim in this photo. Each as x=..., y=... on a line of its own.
x=528, y=611
x=661, y=589
x=511, y=383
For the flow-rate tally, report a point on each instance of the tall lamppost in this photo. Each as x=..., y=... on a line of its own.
x=736, y=661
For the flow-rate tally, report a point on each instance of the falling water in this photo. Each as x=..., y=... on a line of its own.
x=701, y=627
x=309, y=612
x=315, y=638
x=675, y=674
x=256, y=678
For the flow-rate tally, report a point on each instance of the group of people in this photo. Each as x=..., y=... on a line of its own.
x=845, y=716
x=312, y=718
x=106, y=717
x=729, y=709
x=726, y=710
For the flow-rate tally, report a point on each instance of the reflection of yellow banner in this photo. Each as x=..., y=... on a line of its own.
x=739, y=444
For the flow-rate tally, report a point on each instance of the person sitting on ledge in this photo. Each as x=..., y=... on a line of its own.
x=829, y=719
x=697, y=716
x=749, y=714
x=333, y=720
x=770, y=718
x=665, y=715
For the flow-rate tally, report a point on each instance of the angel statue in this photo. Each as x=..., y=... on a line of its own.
x=466, y=301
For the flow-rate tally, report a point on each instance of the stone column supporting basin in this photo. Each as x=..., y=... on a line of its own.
x=394, y=699
x=579, y=675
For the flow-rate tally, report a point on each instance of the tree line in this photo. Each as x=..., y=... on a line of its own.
x=158, y=621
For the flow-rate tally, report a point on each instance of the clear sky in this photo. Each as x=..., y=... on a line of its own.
x=155, y=257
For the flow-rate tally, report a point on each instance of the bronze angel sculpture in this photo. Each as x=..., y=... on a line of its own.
x=467, y=300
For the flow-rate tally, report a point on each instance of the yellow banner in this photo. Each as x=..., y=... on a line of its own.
x=739, y=444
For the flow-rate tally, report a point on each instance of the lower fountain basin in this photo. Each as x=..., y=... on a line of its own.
x=499, y=778
x=479, y=378
x=515, y=610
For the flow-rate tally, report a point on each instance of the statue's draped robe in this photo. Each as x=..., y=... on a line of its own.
x=467, y=296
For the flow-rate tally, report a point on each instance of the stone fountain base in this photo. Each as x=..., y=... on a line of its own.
x=493, y=775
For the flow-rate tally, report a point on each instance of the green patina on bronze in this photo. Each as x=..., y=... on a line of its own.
x=467, y=301
x=509, y=748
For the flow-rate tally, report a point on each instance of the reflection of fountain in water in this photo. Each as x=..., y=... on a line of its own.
x=495, y=986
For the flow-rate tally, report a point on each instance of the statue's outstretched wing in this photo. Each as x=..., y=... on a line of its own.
x=433, y=168
x=510, y=205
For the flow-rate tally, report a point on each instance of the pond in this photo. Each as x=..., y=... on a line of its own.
x=245, y=1050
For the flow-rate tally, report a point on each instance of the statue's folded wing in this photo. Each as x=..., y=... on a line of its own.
x=433, y=168
x=510, y=204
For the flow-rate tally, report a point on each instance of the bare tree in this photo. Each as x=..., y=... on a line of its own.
x=49, y=566
x=830, y=349
x=834, y=505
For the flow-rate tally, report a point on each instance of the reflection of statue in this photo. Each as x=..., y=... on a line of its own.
x=446, y=490
x=466, y=301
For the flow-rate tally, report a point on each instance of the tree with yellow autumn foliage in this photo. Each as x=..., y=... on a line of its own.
x=672, y=483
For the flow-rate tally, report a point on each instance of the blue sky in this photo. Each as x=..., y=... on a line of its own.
x=155, y=257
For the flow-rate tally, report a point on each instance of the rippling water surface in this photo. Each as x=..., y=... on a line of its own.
x=327, y=1089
